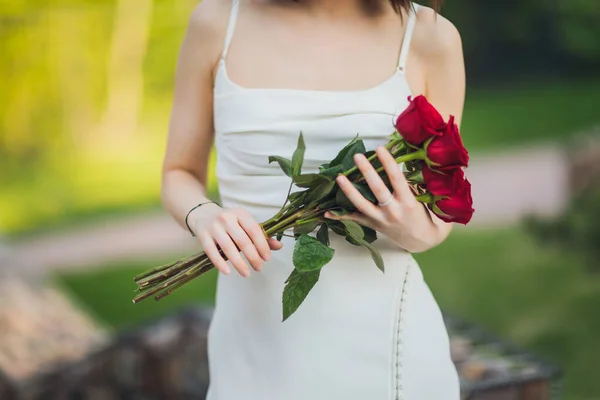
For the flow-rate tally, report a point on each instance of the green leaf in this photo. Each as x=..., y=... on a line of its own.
x=297, y=287
x=310, y=180
x=306, y=228
x=310, y=254
x=374, y=255
x=370, y=234
x=320, y=192
x=354, y=229
x=332, y=171
x=284, y=163
x=346, y=156
x=337, y=227
x=298, y=156
x=343, y=201
x=365, y=190
x=358, y=237
x=323, y=234
x=296, y=195
x=348, y=160
x=343, y=152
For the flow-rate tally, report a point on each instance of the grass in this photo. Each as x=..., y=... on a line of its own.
x=110, y=301
x=526, y=114
x=539, y=298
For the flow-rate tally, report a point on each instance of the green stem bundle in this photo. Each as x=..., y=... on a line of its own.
x=163, y=280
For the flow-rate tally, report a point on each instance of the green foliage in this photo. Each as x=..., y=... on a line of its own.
x=298, y=156
x=356, y=235
x=577, y=229
x=323, y=234
x=297, y=287
x=533, y=37
x=344, y=160
x=311, y=180
x=284, y=164
x=310, y=254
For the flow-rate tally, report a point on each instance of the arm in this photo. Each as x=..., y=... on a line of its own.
x=439, y=50
x=437, y=57
x=190, y=137
x=189, y=143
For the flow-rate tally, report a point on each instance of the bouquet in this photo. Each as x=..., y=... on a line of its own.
x=433, y=156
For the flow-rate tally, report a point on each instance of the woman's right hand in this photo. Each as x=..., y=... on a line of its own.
x=233, y=231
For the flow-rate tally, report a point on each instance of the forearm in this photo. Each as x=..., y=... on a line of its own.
x=180, y=192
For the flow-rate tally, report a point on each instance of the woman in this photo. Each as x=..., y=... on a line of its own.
x=251, y=75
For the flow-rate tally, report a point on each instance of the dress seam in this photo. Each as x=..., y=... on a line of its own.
x=399, y=395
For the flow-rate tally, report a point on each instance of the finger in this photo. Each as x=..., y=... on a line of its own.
x=363, y=205
x=230, y=250
x=356, y=217
x=256, y=235
x=381, y=192
x=275, y=244
x=210, y=248
x=394, y=171
x=243, y=243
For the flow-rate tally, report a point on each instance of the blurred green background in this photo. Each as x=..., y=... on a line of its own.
x=85, y=96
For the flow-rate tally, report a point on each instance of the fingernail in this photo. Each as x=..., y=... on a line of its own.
x=227, y=271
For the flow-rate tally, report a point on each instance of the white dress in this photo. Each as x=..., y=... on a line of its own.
x=361, y=334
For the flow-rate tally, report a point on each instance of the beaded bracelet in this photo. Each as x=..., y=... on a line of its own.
x=188, y=214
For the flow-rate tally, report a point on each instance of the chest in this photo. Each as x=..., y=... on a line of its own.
x=281, y=50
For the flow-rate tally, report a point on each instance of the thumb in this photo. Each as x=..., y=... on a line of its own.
x=335, y=215
x=274, y=244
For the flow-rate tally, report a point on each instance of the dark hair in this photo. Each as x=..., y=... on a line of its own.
x=397, y=5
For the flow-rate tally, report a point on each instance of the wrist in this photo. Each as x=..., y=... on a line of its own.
x=197, y=217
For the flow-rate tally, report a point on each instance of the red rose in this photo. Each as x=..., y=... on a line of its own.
x=447, y=150
x=419, y=121
x=443, y=183
x=457, y=207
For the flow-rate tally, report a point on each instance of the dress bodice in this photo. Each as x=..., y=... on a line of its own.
x=252, y=124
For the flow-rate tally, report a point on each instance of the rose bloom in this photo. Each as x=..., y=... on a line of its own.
x=447, y=150
x=443, y=183
x=457, y=207
x=420, y=121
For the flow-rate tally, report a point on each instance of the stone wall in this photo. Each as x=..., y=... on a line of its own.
x=167, y=360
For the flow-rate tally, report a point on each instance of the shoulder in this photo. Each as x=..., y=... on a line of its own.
x=207, y=24
x=435, y=37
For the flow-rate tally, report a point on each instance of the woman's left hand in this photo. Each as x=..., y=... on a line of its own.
x=399, y=215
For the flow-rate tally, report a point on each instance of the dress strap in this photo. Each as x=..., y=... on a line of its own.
x=410, y=27
x=231, y=27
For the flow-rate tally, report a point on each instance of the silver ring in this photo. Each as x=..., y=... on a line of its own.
x=387, y=203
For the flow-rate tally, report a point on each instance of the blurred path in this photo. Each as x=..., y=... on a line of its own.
x=505, y=187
